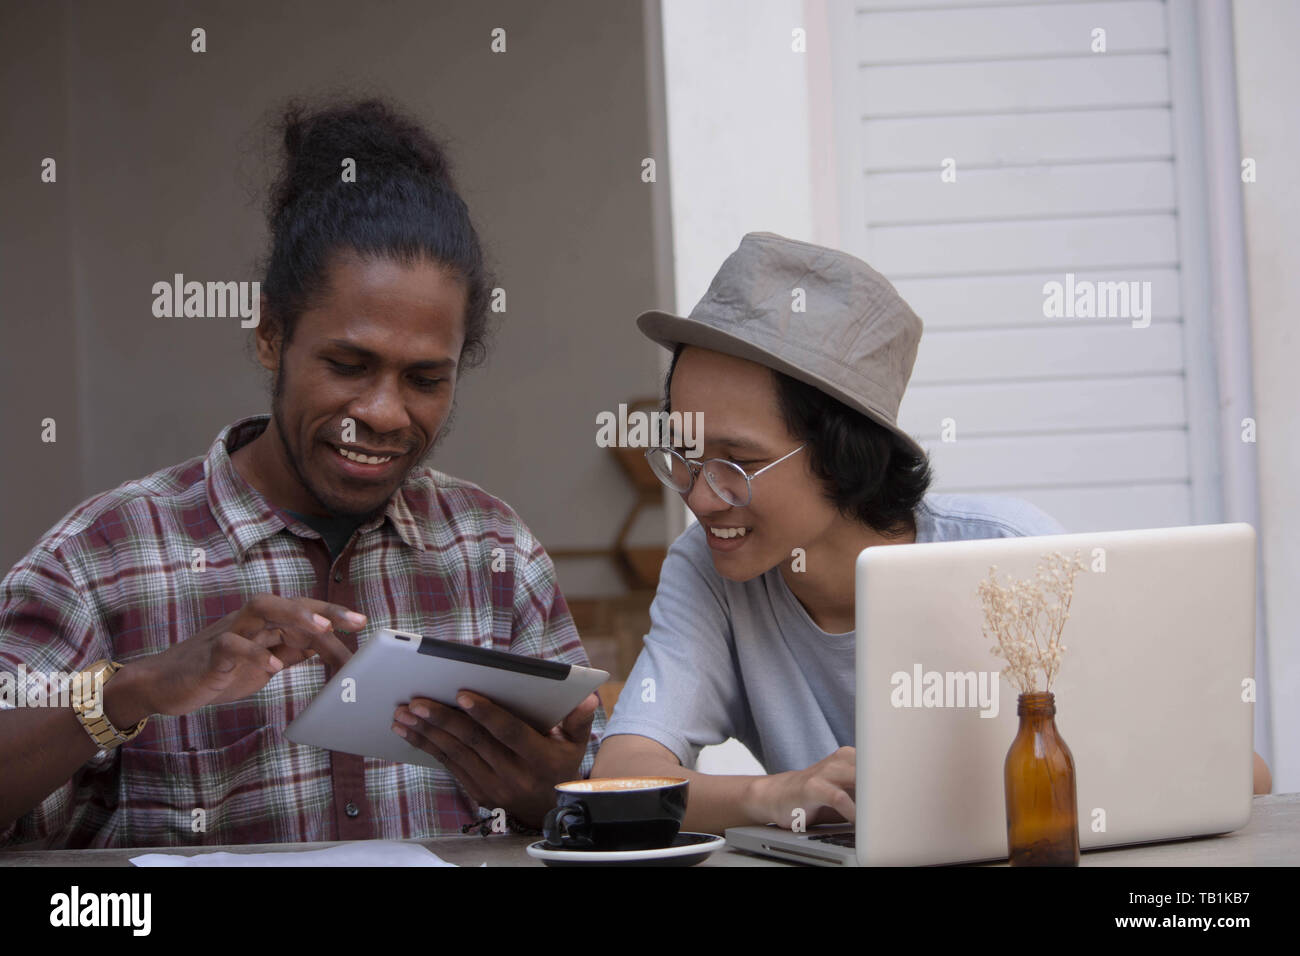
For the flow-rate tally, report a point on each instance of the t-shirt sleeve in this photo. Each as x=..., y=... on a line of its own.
x=1023, y=519
x=543, y=626
x=957, y=517
x=47, y=629
x=684, y=691
x=1031, y=520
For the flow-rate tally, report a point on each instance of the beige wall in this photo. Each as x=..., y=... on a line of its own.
x=159, y=172
x=1268, y=73
x=39, y=364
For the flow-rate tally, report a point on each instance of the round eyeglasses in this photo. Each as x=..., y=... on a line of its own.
x=728, y=480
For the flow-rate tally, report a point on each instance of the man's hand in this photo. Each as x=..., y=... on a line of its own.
x=823, y=791
x=237, y=655
x=499, y=760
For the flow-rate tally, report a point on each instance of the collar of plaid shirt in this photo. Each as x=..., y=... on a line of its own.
x=247, y=518
x=134, y=570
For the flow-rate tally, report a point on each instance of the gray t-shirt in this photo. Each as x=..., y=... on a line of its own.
x=745, y=660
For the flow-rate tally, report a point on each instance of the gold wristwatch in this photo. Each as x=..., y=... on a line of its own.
x=88, y=698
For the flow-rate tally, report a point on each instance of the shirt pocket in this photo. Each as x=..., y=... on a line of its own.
x=221, y=795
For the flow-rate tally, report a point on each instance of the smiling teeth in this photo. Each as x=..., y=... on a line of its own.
x=727, y=532
x=363, y=459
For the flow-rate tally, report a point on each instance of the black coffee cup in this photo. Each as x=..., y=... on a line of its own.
x=616, y=813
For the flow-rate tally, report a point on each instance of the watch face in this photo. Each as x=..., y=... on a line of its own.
x=87, y=683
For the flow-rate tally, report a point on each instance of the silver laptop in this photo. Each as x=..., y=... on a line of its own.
x=1154, y=698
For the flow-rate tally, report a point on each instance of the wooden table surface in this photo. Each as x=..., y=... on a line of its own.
x=1272, y=838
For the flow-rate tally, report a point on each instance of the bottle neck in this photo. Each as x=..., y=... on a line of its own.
x=1040, y=704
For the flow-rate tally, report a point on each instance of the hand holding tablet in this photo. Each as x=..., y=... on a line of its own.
x=354, y=712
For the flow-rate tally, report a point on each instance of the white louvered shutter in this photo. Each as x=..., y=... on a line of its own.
x=1067, y=161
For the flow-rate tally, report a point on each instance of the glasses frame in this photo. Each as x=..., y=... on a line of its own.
x=695, y=467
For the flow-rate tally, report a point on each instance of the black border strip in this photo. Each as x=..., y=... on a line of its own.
x=501, y=660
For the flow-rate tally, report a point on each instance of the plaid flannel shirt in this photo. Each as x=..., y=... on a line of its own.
x=119, y=578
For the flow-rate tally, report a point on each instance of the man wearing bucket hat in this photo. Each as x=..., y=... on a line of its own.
x=804, y=465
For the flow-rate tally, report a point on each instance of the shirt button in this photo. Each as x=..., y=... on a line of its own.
x=338, y=577
x=351, y=809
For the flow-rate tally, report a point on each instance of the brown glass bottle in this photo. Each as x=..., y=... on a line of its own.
x=1042, y=813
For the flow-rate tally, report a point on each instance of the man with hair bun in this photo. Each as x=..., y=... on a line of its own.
x=315, y=523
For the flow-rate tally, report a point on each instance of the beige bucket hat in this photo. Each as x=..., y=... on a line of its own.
x=855, y=338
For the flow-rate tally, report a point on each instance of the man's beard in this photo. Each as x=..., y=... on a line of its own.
x=277, y=394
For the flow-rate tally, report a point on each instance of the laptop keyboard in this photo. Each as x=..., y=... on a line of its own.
x=837, y=839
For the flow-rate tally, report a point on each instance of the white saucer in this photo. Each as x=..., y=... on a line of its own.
x=686, y=850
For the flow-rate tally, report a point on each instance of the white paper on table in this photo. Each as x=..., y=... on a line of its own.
x=358, y=853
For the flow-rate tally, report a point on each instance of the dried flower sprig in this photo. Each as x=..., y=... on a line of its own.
x=1018, y=614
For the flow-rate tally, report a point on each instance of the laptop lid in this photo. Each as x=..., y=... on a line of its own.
x=1153, y=697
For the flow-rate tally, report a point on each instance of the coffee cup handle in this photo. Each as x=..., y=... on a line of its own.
x=557, y=827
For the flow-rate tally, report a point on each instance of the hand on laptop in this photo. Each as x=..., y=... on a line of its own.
x=500, y=760
x=236, y=656
x=824, y=792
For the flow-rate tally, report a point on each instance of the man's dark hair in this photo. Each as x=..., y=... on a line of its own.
x=403, y=206
x=869, y=474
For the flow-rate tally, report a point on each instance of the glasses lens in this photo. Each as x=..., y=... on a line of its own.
x=728, y=481
x=670, y=468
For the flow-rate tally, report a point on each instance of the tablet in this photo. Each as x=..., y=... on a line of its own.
x=353, y=712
